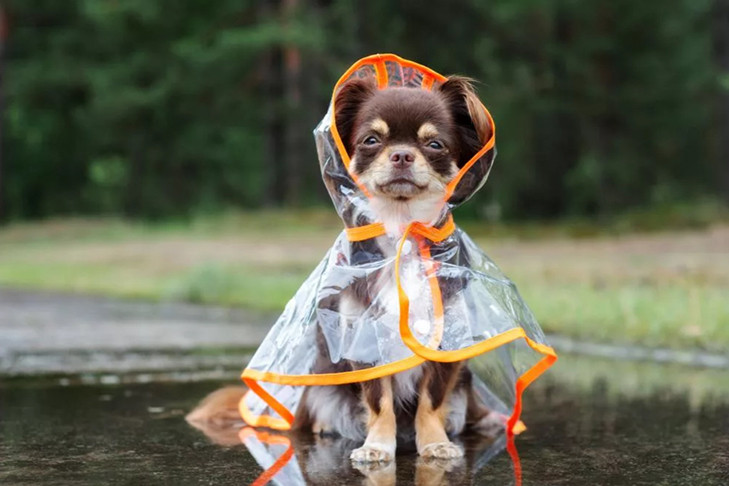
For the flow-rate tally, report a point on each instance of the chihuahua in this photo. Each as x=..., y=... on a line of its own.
x=405, y=146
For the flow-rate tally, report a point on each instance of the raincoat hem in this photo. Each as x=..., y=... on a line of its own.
x=251, y=377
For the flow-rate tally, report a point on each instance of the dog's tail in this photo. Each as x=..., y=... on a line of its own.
x=219, y=409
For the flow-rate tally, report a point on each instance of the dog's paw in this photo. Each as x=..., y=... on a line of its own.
x=442, y=450
x=373, y=453
x=379, y=473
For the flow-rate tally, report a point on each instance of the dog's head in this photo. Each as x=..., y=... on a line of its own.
x=407, y=144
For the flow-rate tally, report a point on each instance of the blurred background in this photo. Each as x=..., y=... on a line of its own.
x=158, y=154
x=163, y=149
x=171, y=108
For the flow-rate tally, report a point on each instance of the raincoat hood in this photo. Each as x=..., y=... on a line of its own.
x=390, y=71
x=480, y=314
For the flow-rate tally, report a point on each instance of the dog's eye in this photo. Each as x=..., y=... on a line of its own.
x=435, y=145
x=371, y=140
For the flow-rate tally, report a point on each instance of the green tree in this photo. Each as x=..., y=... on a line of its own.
x=174, y=106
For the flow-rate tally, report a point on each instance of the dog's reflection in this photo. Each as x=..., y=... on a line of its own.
x=303, y=458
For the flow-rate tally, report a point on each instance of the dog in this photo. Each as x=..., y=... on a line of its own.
x=405, y=146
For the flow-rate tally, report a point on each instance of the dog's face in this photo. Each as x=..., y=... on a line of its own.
x=406, y=144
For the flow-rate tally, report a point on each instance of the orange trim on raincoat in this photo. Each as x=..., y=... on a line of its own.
x=430, y=76
x=266, y=476
x=421, y=232
x=514, y=426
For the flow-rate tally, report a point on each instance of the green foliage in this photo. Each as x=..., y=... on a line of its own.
x=204, y=284
x=173, y=107
x=249, y=287
x=108, y=176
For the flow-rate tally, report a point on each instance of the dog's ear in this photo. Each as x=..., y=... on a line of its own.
x=468, y=115
x=347, y=104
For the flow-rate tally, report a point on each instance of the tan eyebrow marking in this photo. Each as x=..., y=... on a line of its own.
x=380, y=126
x=427, y=130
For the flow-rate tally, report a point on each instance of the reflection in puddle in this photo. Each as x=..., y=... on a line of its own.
x=295, y=459
x=590, y=421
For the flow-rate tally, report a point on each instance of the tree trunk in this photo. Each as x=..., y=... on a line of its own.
x=273, y=156
x=605, y=124
x=273, y=129
x=555, y=127
x=3, y=37
x=293, y=149
x=721, y=54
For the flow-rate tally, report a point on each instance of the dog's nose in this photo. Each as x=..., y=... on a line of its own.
x=402, y=159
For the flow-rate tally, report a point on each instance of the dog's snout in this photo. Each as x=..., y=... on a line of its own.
x=402, y=158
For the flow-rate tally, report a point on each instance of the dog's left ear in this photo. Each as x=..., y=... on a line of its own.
x=468, y=115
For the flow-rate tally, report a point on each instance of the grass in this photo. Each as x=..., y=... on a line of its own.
x=601, y=282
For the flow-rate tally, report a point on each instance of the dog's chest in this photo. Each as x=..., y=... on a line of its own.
x=405, y=384
x=412, y=276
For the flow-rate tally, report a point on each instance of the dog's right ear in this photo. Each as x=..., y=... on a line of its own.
x=347, y=104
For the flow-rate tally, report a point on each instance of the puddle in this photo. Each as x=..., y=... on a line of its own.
x=590, y=422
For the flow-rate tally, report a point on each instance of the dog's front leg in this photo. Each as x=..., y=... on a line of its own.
x=430, y=434
x=381, y=438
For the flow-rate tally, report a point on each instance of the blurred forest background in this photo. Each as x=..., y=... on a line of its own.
x=169, y=108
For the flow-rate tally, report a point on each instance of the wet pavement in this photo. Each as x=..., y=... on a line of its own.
x=115, y=413
x=579, y=433
x=52, y=333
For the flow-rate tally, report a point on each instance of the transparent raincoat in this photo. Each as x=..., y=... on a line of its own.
x=485, y=317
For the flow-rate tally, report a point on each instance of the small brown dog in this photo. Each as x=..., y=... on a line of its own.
x=405, y=146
